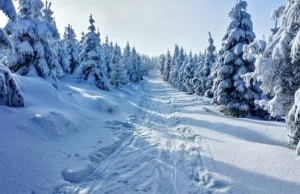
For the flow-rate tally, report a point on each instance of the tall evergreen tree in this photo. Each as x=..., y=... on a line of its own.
x=189, y=70
x=32, y=41
x=91, y=68
x=127, y=61
x=162, y=61
x=118, y=74
x=174, y=66
x=167, y=67
x=231, y=91
x=107, y=55
x=71, y=47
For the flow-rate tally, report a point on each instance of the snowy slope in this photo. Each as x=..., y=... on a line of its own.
x=146, y=138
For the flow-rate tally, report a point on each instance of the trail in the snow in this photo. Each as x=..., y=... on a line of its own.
x=153, y=152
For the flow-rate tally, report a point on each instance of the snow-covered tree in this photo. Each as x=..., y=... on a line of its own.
x=10, y=94
x=127, y=61
x=71, y=48
x=175, y=65
x=107, y=55
x=275, y=16
x=91, y=68
x=31, y=38
x=210, y=60
x=118, y=74
x=189, y=70
x=167, y=67
x=81, y=41
x=293, y=122
x=162, y=60
x=133, y=74
x=278, y=68
x=231, y=93
x=63, y=57
x=47, y=16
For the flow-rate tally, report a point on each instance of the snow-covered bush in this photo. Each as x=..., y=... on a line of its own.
x=31, y=37
x=231, y=93
x=91, y=67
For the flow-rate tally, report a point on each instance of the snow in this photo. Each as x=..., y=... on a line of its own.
x=145, y=138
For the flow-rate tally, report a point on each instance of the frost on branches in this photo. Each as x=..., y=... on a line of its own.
x=31, y=38
x=91, y=67
x=10, y=94
x=189, y=70
x=231, y=93
x=278, y=68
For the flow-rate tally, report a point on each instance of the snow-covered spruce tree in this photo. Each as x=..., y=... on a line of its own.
x=107, y=54
x=189, y=70
x=278, y=68
x=118, y=74
x=181, y=60
x=127, y=61
x=138, y=67
x=81, y=41
x=293, y=122
x=133, y=74
x=91, y=68
x=167, y=67
x=34, y=54
x=210, y=60
x=71, y=48
x=10, y=94
x=63, y=57
x=174, y=66
x=162, y=60
x=234, y=98
x=199, y=79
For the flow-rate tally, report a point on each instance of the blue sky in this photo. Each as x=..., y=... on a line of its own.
x=154, y=26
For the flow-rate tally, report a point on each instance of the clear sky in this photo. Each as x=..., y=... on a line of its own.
x=154, y=26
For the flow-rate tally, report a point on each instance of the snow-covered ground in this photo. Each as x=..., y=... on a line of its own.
x=147, y=138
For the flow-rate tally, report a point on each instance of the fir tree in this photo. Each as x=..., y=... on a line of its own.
x=10, y=94
x=118, y=74
x=32, y=41
x=91, y=68
x=107, y=55
x=71, y=48
x=162, y=60
x=167, y=67
x=174, y=66
x=189, y=74
x=231, y=91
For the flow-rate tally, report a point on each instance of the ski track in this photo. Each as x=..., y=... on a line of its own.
x=153, y=152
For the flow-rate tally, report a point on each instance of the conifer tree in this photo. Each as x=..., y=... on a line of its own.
x=167, y=67
x=231, y=93
x=91, y=68
x=162, y=60
x=189, y=70
x=10, y=93
x=32, y=41
x=118, y=74
x=71, y=48
x=174, y=66
x=127, y=61
x=107, y=55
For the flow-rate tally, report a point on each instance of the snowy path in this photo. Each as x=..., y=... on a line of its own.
x=154, y=153
x=179, y=144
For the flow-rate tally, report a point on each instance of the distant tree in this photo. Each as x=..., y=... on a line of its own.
x=162, y=60
x=175, y=65
x=189, y=70
x=167, y=67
